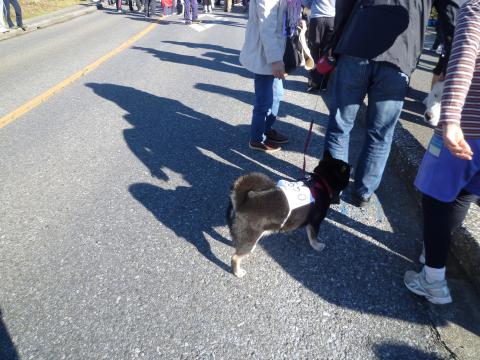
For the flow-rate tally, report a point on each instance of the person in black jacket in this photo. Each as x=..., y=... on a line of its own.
x=377, y=44
x=445, y=29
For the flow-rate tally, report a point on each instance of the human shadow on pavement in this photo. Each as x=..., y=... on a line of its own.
x=7, y=348
x=353, y=272
x=169, y=137
x=191, y=45
x=393, y=351
x=297, y=134
x=196, y=61
x=286, y=108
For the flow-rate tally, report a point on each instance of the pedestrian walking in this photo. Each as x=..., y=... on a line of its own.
x=227, y=5
x=378, y=47
x=320, y=34
x=191, y=12
x=119, y=6
x=262, y=54
x=449, y=176
x=207, y=6
x=445, y=29
x=150, y=8
x=18, y=14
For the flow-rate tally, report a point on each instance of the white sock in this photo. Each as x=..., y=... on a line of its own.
x=432, y=274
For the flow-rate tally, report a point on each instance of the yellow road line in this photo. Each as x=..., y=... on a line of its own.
x=30, y=105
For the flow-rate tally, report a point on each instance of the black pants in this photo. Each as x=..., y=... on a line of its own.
x=150, y=7
x=320, y=33
x=440, y=220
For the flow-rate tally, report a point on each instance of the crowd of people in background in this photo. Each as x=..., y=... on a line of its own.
x=376, y=47
x=187, y=8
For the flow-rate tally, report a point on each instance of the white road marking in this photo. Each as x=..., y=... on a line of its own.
x=202, y=27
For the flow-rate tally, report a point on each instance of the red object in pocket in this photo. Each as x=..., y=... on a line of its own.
x=325, y=65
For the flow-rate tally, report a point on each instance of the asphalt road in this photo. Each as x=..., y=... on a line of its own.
x=113, y=243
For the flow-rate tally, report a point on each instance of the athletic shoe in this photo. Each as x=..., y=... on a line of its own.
x=312, y=86
x=265, y=146
x=196, y=21
x=274, y=136
x=188, y=22
x=436, y=293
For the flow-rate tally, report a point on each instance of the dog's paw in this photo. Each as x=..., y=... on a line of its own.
x=239, y=273
x=317, y=245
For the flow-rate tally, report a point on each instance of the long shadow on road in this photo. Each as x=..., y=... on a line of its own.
x=169, y=136
x=216, y=63
x=353, y=272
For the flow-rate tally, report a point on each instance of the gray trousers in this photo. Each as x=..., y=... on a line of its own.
x=18, y=12
x=150, y=7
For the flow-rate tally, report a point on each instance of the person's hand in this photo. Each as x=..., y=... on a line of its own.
x=278, y=70
x=455, y=142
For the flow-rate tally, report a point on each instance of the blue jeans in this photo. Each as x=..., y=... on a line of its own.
x=386, y=87
x=277, y=96
x=18, y=12
x=262, y=119
x=194, y=12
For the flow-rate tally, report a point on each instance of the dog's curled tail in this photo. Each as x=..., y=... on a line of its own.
x=246, y=183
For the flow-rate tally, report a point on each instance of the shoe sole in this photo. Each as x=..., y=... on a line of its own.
x=432, y=299
x=266, y=151
x=278, y=142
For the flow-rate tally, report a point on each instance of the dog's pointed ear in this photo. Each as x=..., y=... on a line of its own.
x=344, y=169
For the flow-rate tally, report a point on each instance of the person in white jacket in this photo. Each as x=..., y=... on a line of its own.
x=262, y=54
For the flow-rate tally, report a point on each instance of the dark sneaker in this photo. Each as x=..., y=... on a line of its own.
x=265, y=146
x=196, y=21
x=276, y=137
x=312, y=86
x=336, y=199
x=360, y=200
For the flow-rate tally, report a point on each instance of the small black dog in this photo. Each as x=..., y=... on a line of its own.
x=259, y=207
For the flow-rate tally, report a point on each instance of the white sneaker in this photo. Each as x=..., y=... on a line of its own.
x=436, y=293
x=3, y=29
